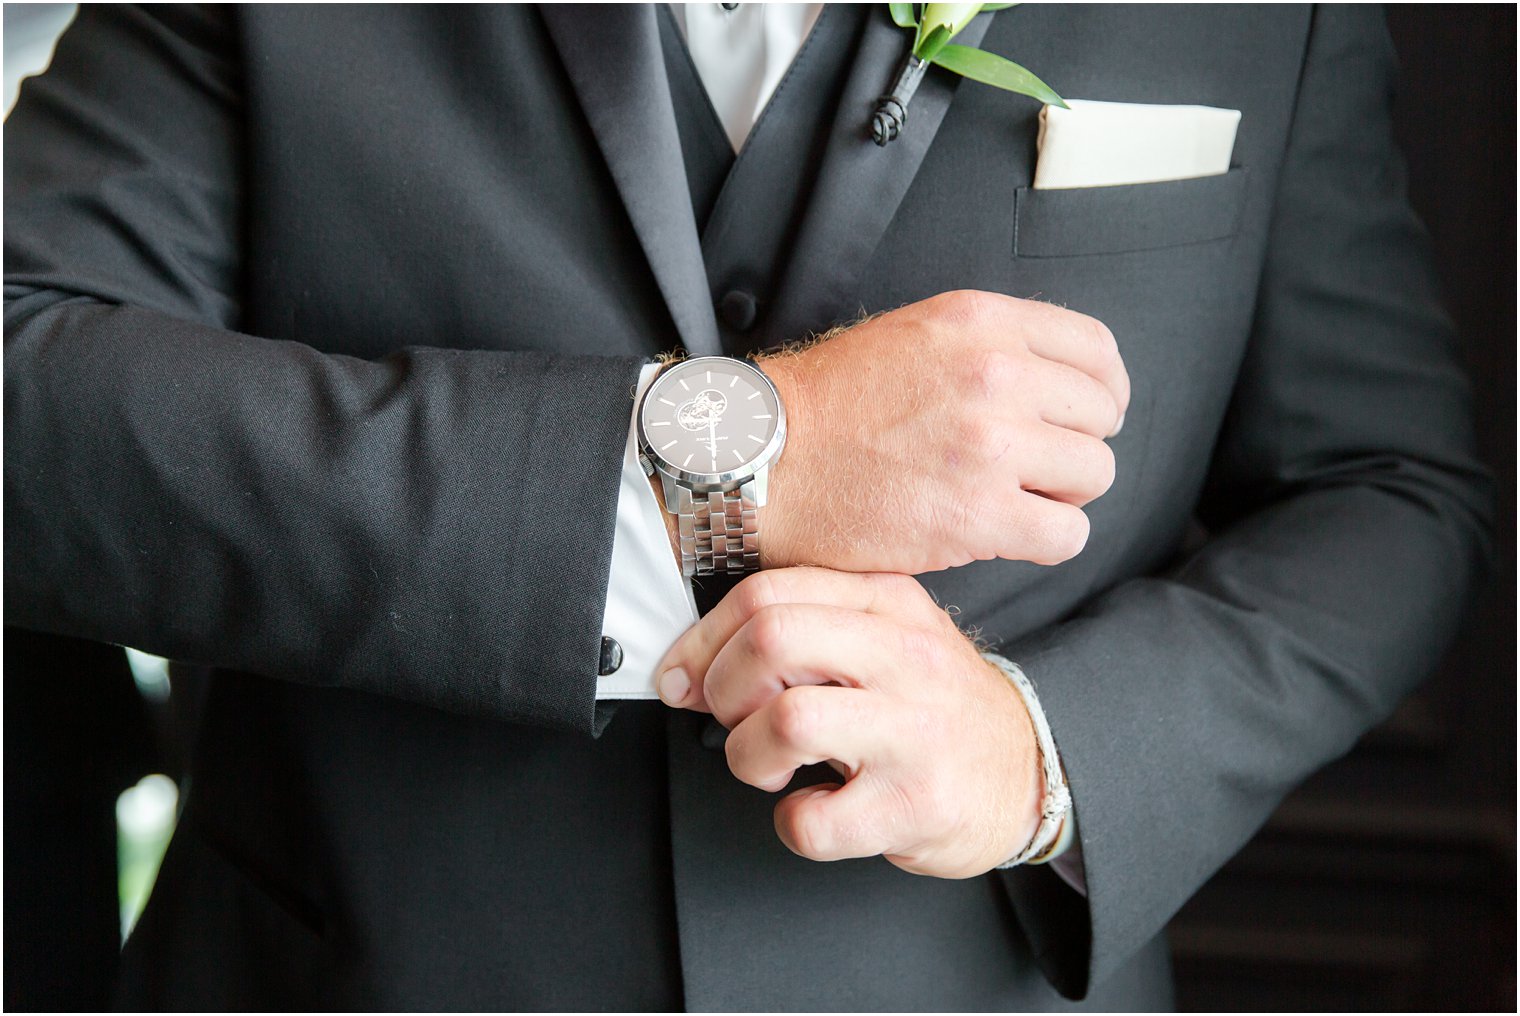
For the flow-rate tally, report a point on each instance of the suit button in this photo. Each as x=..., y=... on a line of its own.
x=714, y=735
x=612, y=657
x=738, y=310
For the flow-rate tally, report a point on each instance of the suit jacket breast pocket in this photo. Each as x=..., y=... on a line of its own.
x=1132, y=217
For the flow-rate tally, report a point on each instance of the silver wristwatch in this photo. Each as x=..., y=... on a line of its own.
x=711, y=427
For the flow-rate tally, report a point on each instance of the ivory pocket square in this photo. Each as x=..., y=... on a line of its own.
x=1104, y=144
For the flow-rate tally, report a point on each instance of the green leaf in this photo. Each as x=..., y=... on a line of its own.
x=902, y=15
x=991, y=69
x=931, y=46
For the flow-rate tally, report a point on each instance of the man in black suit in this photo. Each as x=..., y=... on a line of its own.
x=320, y=329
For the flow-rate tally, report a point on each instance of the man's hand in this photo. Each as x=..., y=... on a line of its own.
x=964, y=427
x=866, y=672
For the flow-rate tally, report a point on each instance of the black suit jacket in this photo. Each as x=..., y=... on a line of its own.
x=321, y=325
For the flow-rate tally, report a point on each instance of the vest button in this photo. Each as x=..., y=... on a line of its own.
x=738, y=310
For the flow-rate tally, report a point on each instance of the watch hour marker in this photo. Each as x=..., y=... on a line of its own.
x=736, y=454
x=733, y=380
x=665, y=446
x=753, y=395
x=663, y=399
x=757, y=440
x=684, y=386
x=709, y=377
x=688, y=460
x=659, y=423
x=763, y=416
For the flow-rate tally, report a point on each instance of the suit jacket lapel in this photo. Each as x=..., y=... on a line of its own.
x=613, y=57
x=859, y=185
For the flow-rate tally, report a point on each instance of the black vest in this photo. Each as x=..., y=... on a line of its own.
x=749, y=207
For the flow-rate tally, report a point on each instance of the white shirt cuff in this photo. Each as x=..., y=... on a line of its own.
x=649, y=603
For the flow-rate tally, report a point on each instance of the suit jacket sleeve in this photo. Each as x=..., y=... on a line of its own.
x=1347, y=520
x=403, y=526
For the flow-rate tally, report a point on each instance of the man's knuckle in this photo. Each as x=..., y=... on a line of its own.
x=970, y=308
x=1095, y=466
x=1104, y=336
x=808, y=829
x=1043, y=534
x=1096, y=338
x=1065, y=534
x=795, y=717
x=993, y=374
x=758, y=591
x=1112, y=412
x=736, y=751
x=1105, y=466
x=768, y=631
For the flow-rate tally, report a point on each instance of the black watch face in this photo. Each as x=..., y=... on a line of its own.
x=711, y=415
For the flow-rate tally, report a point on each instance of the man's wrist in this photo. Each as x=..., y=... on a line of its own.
x=1046, y=842
x=777, y=549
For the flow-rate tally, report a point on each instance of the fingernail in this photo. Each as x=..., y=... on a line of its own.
x=673, y=686
x=1118, y=426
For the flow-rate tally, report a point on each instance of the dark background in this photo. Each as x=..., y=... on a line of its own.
x=1386, y=882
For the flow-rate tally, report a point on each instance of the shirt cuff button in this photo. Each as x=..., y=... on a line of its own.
x=612, y=657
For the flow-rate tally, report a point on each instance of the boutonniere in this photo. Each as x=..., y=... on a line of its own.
x=934, y=25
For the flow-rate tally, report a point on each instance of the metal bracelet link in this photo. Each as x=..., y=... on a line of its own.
x=719, y=531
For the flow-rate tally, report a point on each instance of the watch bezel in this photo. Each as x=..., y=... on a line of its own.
x=706, y=482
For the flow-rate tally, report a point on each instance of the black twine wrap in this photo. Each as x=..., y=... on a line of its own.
x=892, y=109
